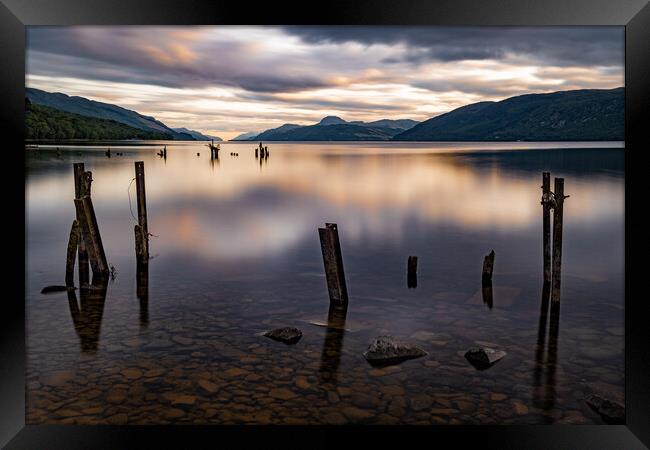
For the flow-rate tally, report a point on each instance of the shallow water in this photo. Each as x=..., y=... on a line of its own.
x=236, y=252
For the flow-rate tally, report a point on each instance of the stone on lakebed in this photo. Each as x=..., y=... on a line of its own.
x=610, y=411
x=386, y=350
x=288, y=335
x=483, y=357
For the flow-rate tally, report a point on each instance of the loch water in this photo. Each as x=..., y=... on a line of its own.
x=235, y=252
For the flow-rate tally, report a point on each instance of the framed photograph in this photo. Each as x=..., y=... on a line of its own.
x=362, y=220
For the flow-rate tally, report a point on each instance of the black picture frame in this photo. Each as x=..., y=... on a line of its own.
x=15, y=15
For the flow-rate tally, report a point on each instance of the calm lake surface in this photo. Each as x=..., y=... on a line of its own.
x=236, y=252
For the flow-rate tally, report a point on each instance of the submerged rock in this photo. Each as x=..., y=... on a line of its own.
x=386, y=350
x=288, y=335
x=483, y=357
x=610, y=411
x=55, y=288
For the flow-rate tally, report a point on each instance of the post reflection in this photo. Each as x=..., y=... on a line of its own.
x=214, y=157
x=331, y=355
x=87, y=314
x=544, y=374
x=142, y=292
x=487, y=295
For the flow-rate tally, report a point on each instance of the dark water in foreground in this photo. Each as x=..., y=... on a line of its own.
x=237, y=252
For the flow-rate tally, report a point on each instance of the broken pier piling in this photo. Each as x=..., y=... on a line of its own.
x=81, y=185
x=73, y=244
x=488, y=267
x=90, y=244
x=333, y=261
x=141, y=230
x=547, y=205
x=91, y=236
x=558, y=212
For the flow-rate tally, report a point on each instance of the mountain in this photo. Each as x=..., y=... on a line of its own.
x=331, y=120
x=276, y=134
x=43, y=122
x=339, y=132
x=246, y=136
x=399, y=124
x=99, y=110
x=332, y=128
x=579, y=115
x=196, y=135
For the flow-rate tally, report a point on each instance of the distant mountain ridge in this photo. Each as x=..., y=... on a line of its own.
x=100, y=110
x=333, y=128
x=245, y=136
x=197, y=135
x=577, y=115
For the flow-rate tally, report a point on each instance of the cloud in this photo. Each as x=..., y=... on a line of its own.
x=550, y=45
x=242, y=78
x=164, y=56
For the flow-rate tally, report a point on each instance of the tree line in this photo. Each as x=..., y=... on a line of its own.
x=43, y=122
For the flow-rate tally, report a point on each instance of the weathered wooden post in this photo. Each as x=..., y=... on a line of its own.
x=333, y=261
x=165, y=152
x=558, y=209
x=412, y=272
x=256, y=152
x=91, y=236
x=78, y=170
x=85, y=183
x=89, y=230
x=488, y=266
x=82, y=183
x=141, y=229
x=73, y=244
x=547, y=205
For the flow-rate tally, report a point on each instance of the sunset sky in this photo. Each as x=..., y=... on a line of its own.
x=227, y=80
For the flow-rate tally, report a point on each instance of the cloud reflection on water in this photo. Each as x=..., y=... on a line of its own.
x=243, y=209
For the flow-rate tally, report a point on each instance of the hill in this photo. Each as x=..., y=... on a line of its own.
x=196, y=135
x=43, y=122
x=246, y=136
x=99, y=110
x=332, y=128
x=579, y=115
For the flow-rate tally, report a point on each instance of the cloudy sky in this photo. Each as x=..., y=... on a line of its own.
x=227, y=80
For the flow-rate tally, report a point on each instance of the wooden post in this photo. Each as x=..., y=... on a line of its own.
x=165, y=152
x=256, y=151
x=82, y=186
x=412, y=273
x=546, y=224
x=488, y=266
x=333, y=261
x=73, y=244
x=90, y=234
x=141, y=230
x=78, y=170
x=557, y=239
x=85, y=181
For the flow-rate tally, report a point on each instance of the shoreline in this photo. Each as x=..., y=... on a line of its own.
x=45, y=144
